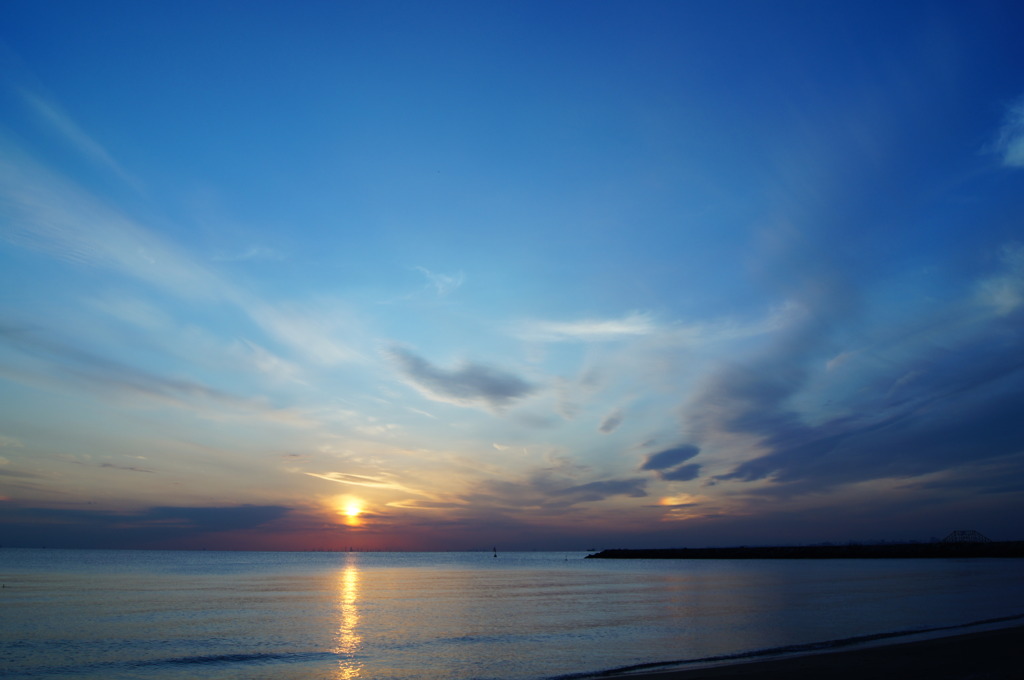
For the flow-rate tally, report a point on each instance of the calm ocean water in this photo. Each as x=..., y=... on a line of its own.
x=452, y=616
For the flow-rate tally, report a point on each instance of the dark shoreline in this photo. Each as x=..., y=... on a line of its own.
x=983, y=655
x=799, y=651
x=852, y=551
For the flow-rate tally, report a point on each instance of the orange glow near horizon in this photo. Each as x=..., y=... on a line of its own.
x=682, y=507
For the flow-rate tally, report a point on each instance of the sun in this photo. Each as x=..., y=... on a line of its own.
x=350, y=508
x=353, y=508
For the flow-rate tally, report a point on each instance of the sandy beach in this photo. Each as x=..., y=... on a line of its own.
x=987, y=655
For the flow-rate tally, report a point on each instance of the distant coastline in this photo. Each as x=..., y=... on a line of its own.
x=858, y=551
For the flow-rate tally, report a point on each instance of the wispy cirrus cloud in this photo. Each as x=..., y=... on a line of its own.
x=62, y=362
x=644, y=327
x=443, y=284
x=58, y=120
x=1010, y=140
x=10, y=443
x=415, y=504
x=317, y=332
x=16, y=473
x=127, y=468
x=1003, y=291
x=268, y=363
x=253, y=253
x=46, y=213
x=380, y=482
x=589, y=330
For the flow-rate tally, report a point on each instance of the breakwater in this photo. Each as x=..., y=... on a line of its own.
x=854, y=550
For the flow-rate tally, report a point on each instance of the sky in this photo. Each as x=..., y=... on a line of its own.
x=534, y=275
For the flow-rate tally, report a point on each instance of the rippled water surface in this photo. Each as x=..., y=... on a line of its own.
x=452, y=616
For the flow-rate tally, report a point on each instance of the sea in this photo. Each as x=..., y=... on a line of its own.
x=172, y=615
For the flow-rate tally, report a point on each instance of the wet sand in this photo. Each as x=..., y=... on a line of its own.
x=987, y=655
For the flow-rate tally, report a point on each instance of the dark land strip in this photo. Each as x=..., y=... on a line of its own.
x=988, y=655
x=882, y=550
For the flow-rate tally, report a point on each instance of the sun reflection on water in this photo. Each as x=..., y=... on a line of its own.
x=348, y=638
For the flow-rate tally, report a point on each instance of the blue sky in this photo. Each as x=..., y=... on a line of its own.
x=445, y=275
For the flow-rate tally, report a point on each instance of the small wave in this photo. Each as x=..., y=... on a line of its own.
x=210, y=660
x=784, y=650
x=223, y=659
